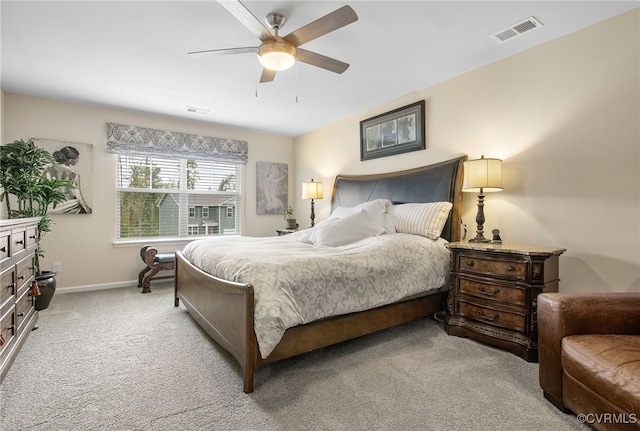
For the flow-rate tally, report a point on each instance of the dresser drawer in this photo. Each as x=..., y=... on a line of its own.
x=24, y=307
x=18, y=241
x=5, y=248
x=32, y=237
x=494, y=291
x=25, y=271
x=7, y=327
x=504, y=319
x=7, y=285
x=513, y=269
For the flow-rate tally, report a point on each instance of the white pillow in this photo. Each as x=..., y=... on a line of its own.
x=376, y=209
x=426, y=219
x=344, y=230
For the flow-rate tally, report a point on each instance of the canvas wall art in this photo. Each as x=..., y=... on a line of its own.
x=73, y=162
x=272, y=187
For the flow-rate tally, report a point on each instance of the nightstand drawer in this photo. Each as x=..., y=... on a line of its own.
x=503, y=319
x=506, y=268
x=493, y=291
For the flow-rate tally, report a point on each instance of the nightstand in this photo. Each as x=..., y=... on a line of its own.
x=494, y=289
x=282, y=232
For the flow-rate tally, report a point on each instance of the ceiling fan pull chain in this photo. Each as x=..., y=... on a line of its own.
x=296, y=66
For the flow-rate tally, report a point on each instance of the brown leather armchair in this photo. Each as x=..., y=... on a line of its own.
x=589, y=353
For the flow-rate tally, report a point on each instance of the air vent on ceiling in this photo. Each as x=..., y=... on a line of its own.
x=516, y=30
x=197, y=110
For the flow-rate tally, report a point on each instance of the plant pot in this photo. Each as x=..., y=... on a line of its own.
x=291, y=223
x=47, y=284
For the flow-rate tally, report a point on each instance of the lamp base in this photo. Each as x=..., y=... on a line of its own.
x=480, y=240
x=480, y=221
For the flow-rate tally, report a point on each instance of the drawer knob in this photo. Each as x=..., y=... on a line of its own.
x=489, y=291
x=20, y=242
x=511, y=268
x=20, y=314
x=10, y=285
x=3, y=249
x=21, y=277
x=470, y=263
x=487, y=317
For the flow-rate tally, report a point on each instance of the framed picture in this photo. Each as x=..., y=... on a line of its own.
x=395, y=132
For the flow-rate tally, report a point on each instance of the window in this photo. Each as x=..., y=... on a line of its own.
x=174, y=197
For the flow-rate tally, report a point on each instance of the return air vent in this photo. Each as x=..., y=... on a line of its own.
x=516, y=30
x=197, y=110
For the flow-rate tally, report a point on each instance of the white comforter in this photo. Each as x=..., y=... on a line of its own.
x=296, y=283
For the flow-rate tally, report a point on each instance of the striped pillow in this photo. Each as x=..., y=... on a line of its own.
x=426, y=219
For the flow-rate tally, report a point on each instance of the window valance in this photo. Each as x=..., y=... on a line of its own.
x=123, y=139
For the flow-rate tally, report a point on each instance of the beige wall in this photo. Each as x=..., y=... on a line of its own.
x=564, y=117
x=84, y=244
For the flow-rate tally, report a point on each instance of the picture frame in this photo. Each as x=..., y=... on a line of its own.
x=394, y=132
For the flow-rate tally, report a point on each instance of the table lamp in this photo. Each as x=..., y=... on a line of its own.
x=312, y=190
x=482, y=175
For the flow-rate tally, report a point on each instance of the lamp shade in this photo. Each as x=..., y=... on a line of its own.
x=312, y=190
x=485, y=174
x=277, y=55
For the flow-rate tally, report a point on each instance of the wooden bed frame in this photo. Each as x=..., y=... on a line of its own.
x=225, y=309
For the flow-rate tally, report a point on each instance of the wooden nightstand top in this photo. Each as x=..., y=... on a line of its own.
x=529, y=250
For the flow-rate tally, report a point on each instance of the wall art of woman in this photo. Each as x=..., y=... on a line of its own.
x=63, y=169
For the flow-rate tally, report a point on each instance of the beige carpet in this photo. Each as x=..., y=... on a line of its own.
x=120, y=360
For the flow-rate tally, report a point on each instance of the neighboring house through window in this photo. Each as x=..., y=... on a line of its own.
x=161, y=197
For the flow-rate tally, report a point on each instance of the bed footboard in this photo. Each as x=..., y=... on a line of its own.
x=223, y=309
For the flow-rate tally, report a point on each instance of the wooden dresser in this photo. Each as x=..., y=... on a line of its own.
x=18, y=315
x=493, y=294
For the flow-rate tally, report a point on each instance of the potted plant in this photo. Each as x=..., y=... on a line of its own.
x=288, y=216
x=27, y=192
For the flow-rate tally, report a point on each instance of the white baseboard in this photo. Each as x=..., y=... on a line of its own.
x=103, y=286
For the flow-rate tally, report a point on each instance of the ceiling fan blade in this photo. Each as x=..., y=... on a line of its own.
x=242, y=14
x=328, y=23
x=227, y=51
x=322, y=61
x=267, y=75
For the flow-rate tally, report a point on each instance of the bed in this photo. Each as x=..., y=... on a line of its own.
x=231, y=312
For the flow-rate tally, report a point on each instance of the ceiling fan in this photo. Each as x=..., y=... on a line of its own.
x=278, y=53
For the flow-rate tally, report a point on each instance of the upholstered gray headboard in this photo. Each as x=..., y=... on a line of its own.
x=434, y=183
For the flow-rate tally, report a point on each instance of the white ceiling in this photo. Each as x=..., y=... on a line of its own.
x=132, y=54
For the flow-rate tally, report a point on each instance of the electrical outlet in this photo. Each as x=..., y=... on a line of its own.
x=57, y=267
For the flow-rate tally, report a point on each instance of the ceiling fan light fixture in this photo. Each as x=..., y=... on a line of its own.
x=277, y=56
